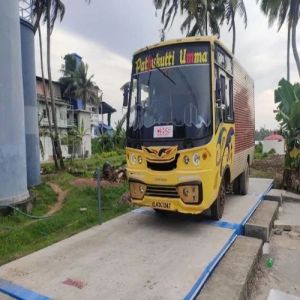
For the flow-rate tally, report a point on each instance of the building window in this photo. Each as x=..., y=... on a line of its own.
x=62, y=115
x=44, y=114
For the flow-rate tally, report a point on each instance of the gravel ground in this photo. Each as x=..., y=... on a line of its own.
x=284, y=249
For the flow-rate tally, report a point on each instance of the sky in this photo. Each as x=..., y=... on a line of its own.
x=106, y=35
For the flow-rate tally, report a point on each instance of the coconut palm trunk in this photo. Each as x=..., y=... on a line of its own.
x=53, y=109
x=233, y=28
x=288, y=52
x=46, y=99
x=294, y=43
x=233, y=36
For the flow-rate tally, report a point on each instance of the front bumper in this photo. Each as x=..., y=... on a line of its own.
x=167, y=182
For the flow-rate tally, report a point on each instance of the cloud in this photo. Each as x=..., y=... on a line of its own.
x=110, y=70
x=106, y=35
x=264, y=107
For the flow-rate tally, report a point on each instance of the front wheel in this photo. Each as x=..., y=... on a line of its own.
x=217, y=207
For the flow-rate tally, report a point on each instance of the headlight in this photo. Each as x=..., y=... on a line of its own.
x=140, y=160
x=186, y=159
x=137, y=190
x=189, y=193
x=196, y=159
x=133, y=159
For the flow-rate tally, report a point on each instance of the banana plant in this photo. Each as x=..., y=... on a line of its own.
x=287, y=98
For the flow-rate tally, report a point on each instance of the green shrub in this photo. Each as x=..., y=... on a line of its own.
x=272, y=151
x=48, y=168
x=259, y=148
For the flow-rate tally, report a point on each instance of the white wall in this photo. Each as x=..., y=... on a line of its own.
x=47, y=145
x=87, y=144
x=61, y=114
x=278, y=146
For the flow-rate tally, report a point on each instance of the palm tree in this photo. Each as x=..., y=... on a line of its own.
x=231, y=7
x=46, y=99
x=81, y=85
x=49, y=10
x=284, y=10
x=294, y=18
x=54, y=8
x=199, y=15
x=38, y=10
x=202, y=15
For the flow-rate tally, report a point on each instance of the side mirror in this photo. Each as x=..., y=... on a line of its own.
x=125, y=96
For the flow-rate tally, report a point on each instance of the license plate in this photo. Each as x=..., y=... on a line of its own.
x=163, y=205
x=163, y=131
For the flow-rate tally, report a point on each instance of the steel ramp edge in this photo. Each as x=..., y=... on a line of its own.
x=238, y=230
x=18, y=292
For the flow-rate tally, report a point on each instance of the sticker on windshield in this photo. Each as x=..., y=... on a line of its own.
x=163, y=131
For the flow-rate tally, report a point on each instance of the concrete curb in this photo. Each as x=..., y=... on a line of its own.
x=233, y=276
x=262, y=221
x=282, y=195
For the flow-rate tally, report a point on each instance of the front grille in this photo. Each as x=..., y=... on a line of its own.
x=169, y=166
x=161, y=191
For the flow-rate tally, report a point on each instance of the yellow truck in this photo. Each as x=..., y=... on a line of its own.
x=190, y=126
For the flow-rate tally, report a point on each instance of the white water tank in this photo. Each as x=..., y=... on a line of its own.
x=30, y=104
x=13, y=175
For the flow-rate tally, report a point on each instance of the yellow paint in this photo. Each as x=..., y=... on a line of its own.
x=219, y=157
x=207, y=171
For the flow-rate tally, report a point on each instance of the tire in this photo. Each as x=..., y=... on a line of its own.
x=244, y=181
x=236, y=186
x=217, y=207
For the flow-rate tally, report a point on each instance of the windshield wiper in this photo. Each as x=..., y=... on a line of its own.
x=160, y=70
x=164, y=74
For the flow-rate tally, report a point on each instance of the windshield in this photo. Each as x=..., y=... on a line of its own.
x=175, y=97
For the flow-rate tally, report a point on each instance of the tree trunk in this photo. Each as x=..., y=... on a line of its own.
x=46, y=100
x=294, y=45
x=53, y=108
x=206, y=23
x=288, y=52
x=233, y=29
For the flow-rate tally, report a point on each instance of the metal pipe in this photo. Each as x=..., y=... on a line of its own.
x=99, y=196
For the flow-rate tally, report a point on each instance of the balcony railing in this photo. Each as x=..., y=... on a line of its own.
x=26, y=10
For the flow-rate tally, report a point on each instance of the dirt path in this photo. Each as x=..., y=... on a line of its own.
x=61, y=195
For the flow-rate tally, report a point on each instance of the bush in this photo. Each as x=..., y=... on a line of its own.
x=48, y=168
x=259, y=148
x=272, y=151
x=102, y=144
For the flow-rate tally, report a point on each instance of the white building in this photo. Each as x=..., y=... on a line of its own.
x=68, y=115
x=274, y=141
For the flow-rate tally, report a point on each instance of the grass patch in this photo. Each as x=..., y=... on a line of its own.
x=20, y=235
x=87, y=167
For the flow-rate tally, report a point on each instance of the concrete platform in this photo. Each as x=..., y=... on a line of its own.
x=231, y=278
x=138, y=255
x=238, y=208
x=135, y=254
x=279, y=295
x=282, y=195
x=261, y=222
x=289, y=217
